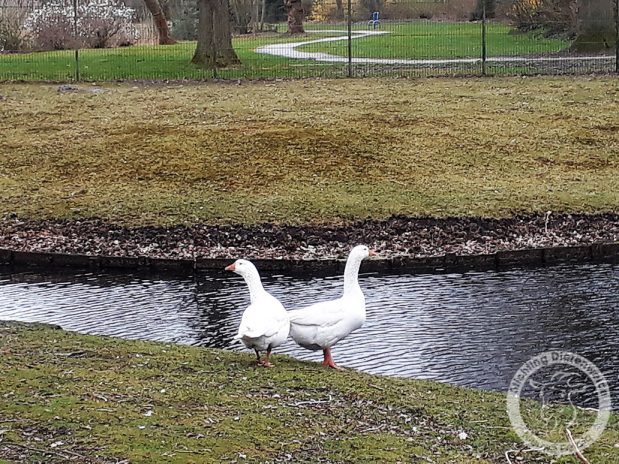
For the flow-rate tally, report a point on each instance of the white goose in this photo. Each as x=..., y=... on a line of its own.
x=322, y=325
x=265, y=323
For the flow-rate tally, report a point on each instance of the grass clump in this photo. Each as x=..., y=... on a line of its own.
x=94, y=399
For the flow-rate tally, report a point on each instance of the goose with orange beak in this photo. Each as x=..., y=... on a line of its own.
x=322, y=325
x=265, y=324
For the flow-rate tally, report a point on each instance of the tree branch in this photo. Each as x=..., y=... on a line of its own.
x=581, y=457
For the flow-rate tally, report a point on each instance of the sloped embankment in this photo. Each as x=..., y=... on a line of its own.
x=68, y=397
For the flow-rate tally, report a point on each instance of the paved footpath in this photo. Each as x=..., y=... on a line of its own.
x=289, y=50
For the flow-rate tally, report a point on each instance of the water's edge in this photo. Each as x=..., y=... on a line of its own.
x=597, y=252
x=473, y=328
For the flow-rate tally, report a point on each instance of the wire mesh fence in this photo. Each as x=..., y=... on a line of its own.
x=94, y=40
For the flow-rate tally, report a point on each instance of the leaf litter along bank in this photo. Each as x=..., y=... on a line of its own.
x=69, y=397
x=393, y=237
x=315, y=151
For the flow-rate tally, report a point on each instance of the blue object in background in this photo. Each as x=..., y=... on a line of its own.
x=375, y=21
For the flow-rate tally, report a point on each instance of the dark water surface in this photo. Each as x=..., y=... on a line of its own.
x=474, y=328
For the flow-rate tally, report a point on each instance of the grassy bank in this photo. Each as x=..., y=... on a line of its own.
x=309, y=151
x=91, y=399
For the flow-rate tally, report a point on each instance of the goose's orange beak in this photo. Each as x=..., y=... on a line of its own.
x=372, y=253
x=230, y=267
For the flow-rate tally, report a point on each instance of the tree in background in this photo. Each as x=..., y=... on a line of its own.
x=245, y=15
x=249, y=15
x=214, y=48
x=13, y=14
x=339, y=10
x=95, y=24
x=490, y=5
x=161, y=22
x=184, y=17
x=595, y=25
x=590, y=23
x=296, y=15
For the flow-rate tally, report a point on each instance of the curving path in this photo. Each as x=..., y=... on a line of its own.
x=289, y=50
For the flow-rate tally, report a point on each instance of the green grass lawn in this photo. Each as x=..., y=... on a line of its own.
x=153, y=62
x=406, y=40
x=430, y=39
x=310, y=150
x=73, y=398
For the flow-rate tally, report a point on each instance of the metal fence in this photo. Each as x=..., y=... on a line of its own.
x=95, y=40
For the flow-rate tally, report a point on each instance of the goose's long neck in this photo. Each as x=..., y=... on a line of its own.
x=255, y=285
x=351, y=276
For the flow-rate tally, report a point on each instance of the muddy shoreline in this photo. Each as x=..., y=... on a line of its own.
x=395, y=237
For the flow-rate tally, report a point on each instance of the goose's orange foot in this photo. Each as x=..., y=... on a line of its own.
x=328, y=360
x=265, y=362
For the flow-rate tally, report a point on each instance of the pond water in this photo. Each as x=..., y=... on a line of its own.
x=474, y=328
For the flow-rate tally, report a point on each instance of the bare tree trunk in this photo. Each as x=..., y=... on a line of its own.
x=262, y=14
x=214, y=49
x=255, y=15
x=339, y=9
x=237, y=17
x=596, y=25
x=296, y=14
x=160, y=22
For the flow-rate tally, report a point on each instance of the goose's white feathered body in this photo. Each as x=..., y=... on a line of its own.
x=265, y=323
x=321, y=325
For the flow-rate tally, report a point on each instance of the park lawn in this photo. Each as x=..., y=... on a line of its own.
x=66, y=397
x=312, y=151
x=422, y=39
x=156, y=62
x=431, y=39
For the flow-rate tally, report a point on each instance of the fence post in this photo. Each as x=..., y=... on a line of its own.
x=77, y=52
x=349, y=38
x=483, y=38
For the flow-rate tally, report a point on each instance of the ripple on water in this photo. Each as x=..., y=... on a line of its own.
x=474, y=329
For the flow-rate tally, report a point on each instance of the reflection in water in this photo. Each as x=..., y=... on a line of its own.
x=473, y=329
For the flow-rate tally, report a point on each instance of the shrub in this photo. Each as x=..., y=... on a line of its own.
x=100, y=23
x=51, y=30
x=11, y=32
x=555, y=17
